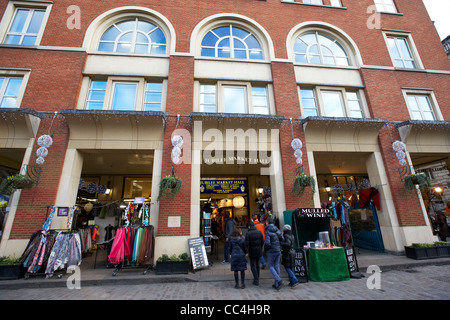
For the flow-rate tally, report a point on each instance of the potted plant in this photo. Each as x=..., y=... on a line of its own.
x=413, y=180
x=301, y=182
x=12, y=183
x=170, y=184
x=10, y=268
x=420, y=251
x=173, y=264
x=443, y=248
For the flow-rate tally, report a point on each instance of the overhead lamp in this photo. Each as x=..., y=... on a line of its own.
x=327, y=186
x=438, y=189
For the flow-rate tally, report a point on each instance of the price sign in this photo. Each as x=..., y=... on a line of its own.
x=198, y=253
x=300, y=266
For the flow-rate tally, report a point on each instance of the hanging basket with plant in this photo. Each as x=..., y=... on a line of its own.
x=12, y=183
x=413, y=180
x=301, y=182
x=170, y=184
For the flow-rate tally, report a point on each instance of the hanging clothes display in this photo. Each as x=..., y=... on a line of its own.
x=51, y=250
x=66, y=252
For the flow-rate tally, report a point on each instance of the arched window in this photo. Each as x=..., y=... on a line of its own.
x=319, y=48
x=231, y=42
x=133, y=36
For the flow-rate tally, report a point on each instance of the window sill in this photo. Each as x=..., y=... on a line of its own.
x=313, y=5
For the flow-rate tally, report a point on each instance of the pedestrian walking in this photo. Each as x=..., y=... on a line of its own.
x=272, y=247
x=230, y=224
x=254, y=241
x=288, y=255
x=260, y=226
x=238, y=257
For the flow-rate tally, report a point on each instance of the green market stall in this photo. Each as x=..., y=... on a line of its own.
x=324, y=264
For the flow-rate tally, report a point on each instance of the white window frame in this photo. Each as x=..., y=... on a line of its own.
x=318, y=90
x=411, y=46
x=9, y=15
x=110, y=87
x=383, y=5
x=423, y=92
x=24, y=75
x=220, y=108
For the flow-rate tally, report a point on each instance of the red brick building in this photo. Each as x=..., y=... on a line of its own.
x=238, y=80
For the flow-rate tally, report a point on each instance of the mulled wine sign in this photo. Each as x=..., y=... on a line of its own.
x=300, y=266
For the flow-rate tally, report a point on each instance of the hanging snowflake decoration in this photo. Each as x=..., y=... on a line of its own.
x=398, y=146
x=337, y=188
x=101, y=189
x=177, y=142
x=400, y=155
x=296, y=144
x=45, y=141
x=364, y=184
x=91, y=188
x=351, y=186
x=81, y=183
x=176, y=152
x=42, y=152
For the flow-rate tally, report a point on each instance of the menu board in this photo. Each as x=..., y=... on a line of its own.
x=198, y=253
x=352, y=263
x=300, y=266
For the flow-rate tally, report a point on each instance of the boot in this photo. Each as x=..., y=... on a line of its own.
x=242, y=279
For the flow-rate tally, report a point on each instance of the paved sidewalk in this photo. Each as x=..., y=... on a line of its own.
x=217, y=272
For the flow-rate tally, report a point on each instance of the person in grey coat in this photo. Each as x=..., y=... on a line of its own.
x=288, y=255
x=238, y=251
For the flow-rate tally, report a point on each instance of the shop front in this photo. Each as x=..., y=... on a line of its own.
x=427, y=148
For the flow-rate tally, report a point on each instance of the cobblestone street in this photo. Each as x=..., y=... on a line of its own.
x=418, y=283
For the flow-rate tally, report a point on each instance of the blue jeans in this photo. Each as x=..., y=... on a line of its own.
x=292, y=278
x=273, y=262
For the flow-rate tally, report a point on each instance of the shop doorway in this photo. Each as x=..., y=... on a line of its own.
x=110, y=182
x=345, y=187
x=437, y=198
x=10, y=164
x=238, y=192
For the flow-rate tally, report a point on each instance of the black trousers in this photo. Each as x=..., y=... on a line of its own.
x=254, y=267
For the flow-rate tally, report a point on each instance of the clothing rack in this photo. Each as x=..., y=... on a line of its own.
x=133, y=245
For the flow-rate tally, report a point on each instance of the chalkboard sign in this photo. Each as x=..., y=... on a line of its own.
x=352, y=263
x=198, y=253
x=300, y=266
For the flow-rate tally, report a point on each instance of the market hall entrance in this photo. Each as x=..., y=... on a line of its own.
x=346, y=188
x=235, y=191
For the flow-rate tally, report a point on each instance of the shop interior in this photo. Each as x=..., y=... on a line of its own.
x=235, y=190
x=10, y=164
x=113, y=184
x=437, y=198
x=345, y=188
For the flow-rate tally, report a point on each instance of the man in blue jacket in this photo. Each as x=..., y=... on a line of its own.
x=272, y=247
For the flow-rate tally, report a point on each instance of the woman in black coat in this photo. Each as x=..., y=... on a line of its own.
x=238, y=260
x=288, y=254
